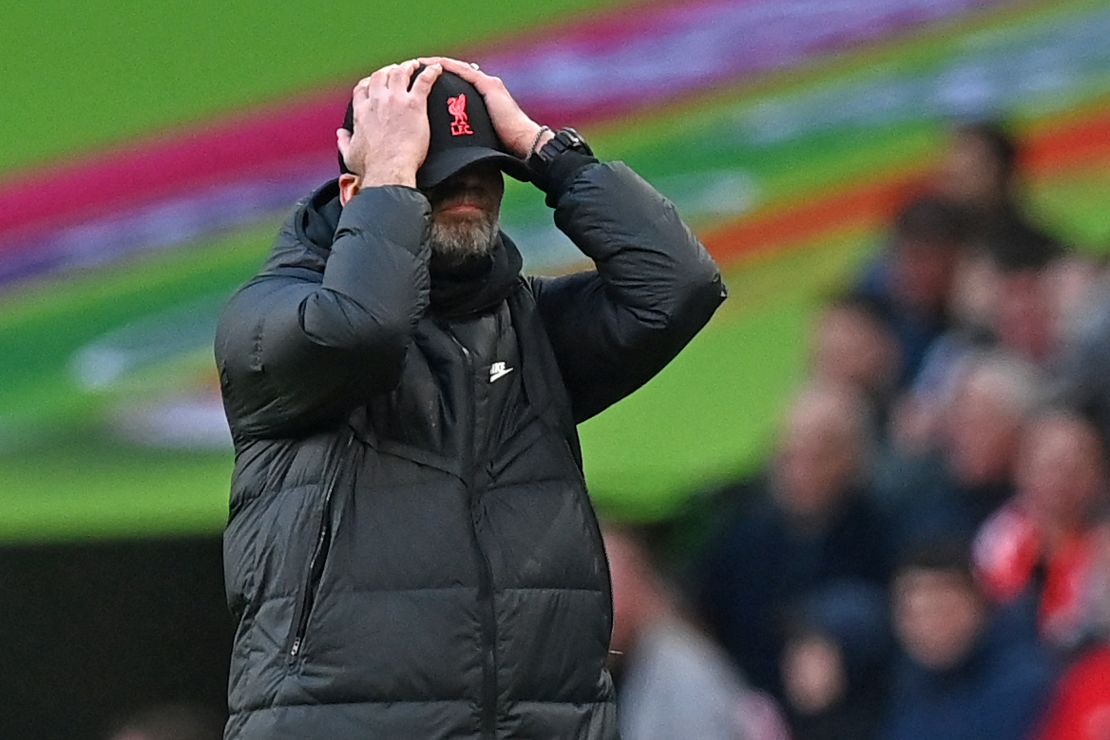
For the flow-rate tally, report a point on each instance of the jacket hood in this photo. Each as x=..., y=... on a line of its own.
x=305, y=238
x=318, y=217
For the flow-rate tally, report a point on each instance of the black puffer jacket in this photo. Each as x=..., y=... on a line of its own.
x=411, y=552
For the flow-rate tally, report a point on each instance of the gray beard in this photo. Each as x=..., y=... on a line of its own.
x=460, y=242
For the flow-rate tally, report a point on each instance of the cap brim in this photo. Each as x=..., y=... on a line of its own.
x=442, y=165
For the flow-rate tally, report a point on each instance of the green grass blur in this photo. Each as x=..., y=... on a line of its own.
x=80, y=75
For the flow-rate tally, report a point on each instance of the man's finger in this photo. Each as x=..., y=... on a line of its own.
x=467, y=72
x=379, y=78
x=361, y=91
x=399, y=76
x=453, y=65
x=422, y=85
x=410, y=68
x=428, y=61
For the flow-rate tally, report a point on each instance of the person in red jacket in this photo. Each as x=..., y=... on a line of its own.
x=1080, y=708
x=1042, y=538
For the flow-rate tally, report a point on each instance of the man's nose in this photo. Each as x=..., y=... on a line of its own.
x=471, y=181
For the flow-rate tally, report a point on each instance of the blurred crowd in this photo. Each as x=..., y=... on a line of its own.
x=927, y=552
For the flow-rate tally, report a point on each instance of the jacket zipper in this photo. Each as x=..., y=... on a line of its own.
x=318, y=558
x=485, y=573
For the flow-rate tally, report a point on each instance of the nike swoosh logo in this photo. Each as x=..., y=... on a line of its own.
x=500, y=374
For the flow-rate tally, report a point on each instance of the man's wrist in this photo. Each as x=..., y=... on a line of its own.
x=381, y=178
x=551, y=146
x=543, y=135
x=389, y=170
x=557, y=161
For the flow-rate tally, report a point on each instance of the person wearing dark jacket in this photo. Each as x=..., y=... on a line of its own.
x=808, y=522
x=970, y=672
x=411, y=552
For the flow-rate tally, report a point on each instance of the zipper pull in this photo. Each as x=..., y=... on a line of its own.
x=296, y=649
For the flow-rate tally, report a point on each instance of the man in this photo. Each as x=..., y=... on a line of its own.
x=1080, y=705
x=808, y=521
x=1042, y=542
x=970, y=672
x=1079, y=376
x=673, y=681
x=852, y=343
x=912, y=278
x=981, y=170
x=411, y=552
x=835, y=662
x=978, y=428
x=171, y=722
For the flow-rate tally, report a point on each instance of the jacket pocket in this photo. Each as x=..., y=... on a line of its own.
x=309, y=591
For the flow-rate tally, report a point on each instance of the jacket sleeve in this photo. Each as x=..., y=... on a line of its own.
x=655, y=286
x=296, y=347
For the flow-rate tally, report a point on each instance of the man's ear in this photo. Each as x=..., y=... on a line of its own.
x=349, y=186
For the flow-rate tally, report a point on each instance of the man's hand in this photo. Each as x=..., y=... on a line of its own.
x=515, y=129
x=390, y=140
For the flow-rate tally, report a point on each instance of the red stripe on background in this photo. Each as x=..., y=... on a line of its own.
x=1078, y=142
x=162, y=167
x=261, y=142
x=154, y=168
x=1075, y=144
x=774, y=228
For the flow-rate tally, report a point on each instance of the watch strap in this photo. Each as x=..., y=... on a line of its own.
x=564, y=140
x=555, y=165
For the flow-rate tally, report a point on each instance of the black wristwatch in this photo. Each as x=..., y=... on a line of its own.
x=566, y=139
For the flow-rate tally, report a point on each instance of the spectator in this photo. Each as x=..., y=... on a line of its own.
x=1017, y=311
x=1043, y=538
x=1013, y=311
x=976, y=294
x=977, y=435
x=980, y=171
x=171, y=722
x=834, y=663
x=1033, y=314
x=1025, y=323
x=1079, y=368
x=810, y=523
x=985, y=418
x=673, y=681
x=1077, y=288
x=966, y=676
x=1080, y=708
x=852, y=344
x=1029, y=312
x=913, y=278
x=1095, y=601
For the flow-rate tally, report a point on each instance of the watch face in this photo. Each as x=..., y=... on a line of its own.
x=573, y=140
x=564, y=139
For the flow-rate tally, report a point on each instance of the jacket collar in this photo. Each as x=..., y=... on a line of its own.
x=469, y=290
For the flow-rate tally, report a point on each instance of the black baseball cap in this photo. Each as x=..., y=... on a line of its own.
x=461, y=134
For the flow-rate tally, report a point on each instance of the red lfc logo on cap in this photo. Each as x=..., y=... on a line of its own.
x=457, y=107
